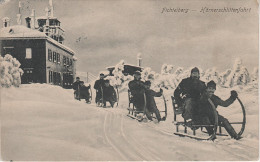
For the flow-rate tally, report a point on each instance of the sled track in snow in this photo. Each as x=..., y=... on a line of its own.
x=132, y=152
x=158, y=130
x=237, y=145
x=240, y=157
x=144, y=150
x=110, y=142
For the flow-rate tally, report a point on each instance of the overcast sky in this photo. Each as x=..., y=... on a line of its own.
x=112, y=30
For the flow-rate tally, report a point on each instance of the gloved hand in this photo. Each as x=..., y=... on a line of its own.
x=161, y=90
x=233, y=94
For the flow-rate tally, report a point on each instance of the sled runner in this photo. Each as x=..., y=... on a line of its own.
x=100, y=101
x=117, y=96
x=83, y=93
x=132, y=112
x=77, y=93
x=111, y=99
x=90, y=97
x=164, y=111
x=178, y=110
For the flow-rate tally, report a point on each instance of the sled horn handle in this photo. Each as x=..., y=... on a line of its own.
x=244, y=117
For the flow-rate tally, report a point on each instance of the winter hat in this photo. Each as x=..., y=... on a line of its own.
x=77, y=77
x=195, y=70
x=147, y=82
x=137, y=73
x=211, y=84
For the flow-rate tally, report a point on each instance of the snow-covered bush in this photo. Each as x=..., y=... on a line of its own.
x=169, y=78
x=119, y=79
x=148, y=74
x=211, y=74
x=224, y=76
x=238, y=76
x=10, y=73
x=167, y=69
x=254, y=76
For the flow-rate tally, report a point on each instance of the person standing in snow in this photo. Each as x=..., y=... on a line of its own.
x=137, y=89
x=204, y=114
x=84, y=91
x=109, y=94
x=99, y=84
x=151, y=105
x=188, y=93
x=76, y=88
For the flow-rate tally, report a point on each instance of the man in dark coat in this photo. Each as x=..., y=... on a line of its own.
x=109, y=94
x=151, y=105
x=137, y=89
x=76, y=86
x=188, y=93
x=84, y=91
x=99, y=84
x=204, y=113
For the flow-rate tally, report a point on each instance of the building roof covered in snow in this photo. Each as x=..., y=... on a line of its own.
x=128, y=69
x=22, y=32
x=45, y=17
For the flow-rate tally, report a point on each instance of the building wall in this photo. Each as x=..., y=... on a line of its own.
x=59, y=72
x=34, y=67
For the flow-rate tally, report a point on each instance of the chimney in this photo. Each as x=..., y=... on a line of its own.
x=19, y=16
x=47, y=15
x=19, y=20
x=20, y=5
x=51, y=5
x=6, y=22
x=33, y=19
x=28, y=22
x=139, y=59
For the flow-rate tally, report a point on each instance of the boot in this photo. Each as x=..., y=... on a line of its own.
x=230, y=129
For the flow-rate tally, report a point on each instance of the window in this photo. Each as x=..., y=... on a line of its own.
x=28, y=53
x=58, y=58
x=64, y=60
x=68, y=62
x=8, y=50
x=54, y=57
x=50, y=76
x=49, y=55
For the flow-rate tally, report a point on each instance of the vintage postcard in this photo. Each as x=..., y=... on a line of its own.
x=129, y=80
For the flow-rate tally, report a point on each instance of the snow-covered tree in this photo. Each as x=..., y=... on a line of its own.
x=119, y=79
x=10, y=73
x=166, y=69
x=254, y=76
x=148, y=74
x=224, y=76
x=238, y=76
x=211, y=74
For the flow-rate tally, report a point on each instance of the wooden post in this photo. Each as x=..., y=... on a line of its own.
x=87, y=77
x=220, y=131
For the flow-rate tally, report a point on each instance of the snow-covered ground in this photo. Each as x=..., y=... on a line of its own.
x=44, y=122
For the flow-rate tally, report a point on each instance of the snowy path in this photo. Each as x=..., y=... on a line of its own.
x=39, y=125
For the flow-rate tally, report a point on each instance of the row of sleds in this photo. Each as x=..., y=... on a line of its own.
x=184, y=128
x=86, y=94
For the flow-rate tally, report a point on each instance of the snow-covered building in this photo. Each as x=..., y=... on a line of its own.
x=39, y=48
x=128, y=69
